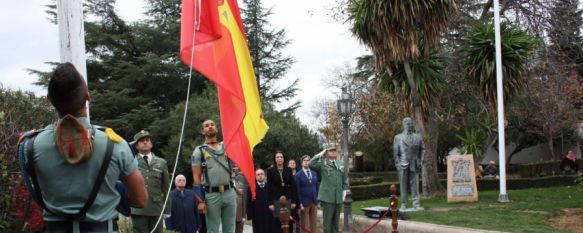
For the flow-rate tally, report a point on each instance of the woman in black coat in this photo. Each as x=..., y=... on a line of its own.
x=281, y=183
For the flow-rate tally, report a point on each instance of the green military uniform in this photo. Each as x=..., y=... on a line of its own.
x=331, y=187
x=66, y=187
x=157, y=181
x=220, y=196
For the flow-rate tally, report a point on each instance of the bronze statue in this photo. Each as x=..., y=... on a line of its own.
x=409, y=155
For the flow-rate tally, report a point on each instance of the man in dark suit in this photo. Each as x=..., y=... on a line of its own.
x=307, y=186
x=257, y=210
x=184, y=216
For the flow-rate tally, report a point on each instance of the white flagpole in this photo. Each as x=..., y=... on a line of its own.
x=72, y=35
x=503, y=196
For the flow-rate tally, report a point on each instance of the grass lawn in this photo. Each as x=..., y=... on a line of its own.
x=528, y=210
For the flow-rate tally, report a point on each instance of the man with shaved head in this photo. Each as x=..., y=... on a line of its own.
x=184, y=215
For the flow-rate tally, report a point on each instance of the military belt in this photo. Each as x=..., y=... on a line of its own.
x=220, y=188
x=67, y=226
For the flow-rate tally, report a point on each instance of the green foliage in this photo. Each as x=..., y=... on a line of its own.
x=480, y=63
x=285, y=133
x=137, y=82
x=473, y=139
x=166, y=132
x=426, y=74
x=544, y=168
x=393, y=29
x=380, y=190
x=19, y=112
x=134, y=74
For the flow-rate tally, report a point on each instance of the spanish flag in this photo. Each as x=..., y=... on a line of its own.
x=215, y=29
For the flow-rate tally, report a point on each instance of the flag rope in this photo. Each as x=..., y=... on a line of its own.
x=196, y=27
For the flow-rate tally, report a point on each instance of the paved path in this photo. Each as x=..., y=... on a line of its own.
x=362, y=222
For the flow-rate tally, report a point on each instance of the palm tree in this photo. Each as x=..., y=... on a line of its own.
x=478, y=49
x=480, y=63
x=404, y=32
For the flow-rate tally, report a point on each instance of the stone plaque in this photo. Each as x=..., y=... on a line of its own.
x=461, y=179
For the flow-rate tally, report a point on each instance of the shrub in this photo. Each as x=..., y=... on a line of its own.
x=372, y=191
x=546, y=168
x=19, y=111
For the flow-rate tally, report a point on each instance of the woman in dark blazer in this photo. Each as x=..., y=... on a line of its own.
x=281, y=183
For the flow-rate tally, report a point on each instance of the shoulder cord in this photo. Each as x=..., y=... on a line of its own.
x=228, y=169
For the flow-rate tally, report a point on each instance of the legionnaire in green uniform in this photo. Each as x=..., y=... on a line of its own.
x=211, y=171
x=66, y=161
x=332, y=186
x=155, y=172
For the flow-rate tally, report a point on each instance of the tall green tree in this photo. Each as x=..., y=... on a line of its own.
x=404, y=31
x=266, y=46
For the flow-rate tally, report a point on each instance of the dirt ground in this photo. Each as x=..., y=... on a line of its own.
x=569, y=219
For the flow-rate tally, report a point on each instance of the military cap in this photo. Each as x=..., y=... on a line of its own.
x=141, y=134
x=329, y=146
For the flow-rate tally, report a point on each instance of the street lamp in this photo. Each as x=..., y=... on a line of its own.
x=345, y=109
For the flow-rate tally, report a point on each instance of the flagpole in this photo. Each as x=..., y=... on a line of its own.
x=503, y=196
x=72, y=35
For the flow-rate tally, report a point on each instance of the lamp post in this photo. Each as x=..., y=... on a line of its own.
x=345, y=109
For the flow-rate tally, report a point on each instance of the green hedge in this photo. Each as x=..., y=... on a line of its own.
x=546, y=168
x=371, y=191
x=365, y=180
x=386, y=176
x=524, y=183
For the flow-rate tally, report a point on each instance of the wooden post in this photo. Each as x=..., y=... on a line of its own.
x=72, y=35
x=284, y=214
x=393, y=203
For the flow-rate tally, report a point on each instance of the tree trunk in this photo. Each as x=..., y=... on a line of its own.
x=551, y=147
x=429, y=177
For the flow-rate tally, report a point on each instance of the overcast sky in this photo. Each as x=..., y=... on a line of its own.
x=319, y=44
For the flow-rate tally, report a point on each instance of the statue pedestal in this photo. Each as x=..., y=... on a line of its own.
x=414, y=209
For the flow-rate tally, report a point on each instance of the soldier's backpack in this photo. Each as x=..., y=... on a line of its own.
x=27, y=167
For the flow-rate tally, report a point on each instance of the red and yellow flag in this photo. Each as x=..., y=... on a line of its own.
x=221, y=54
